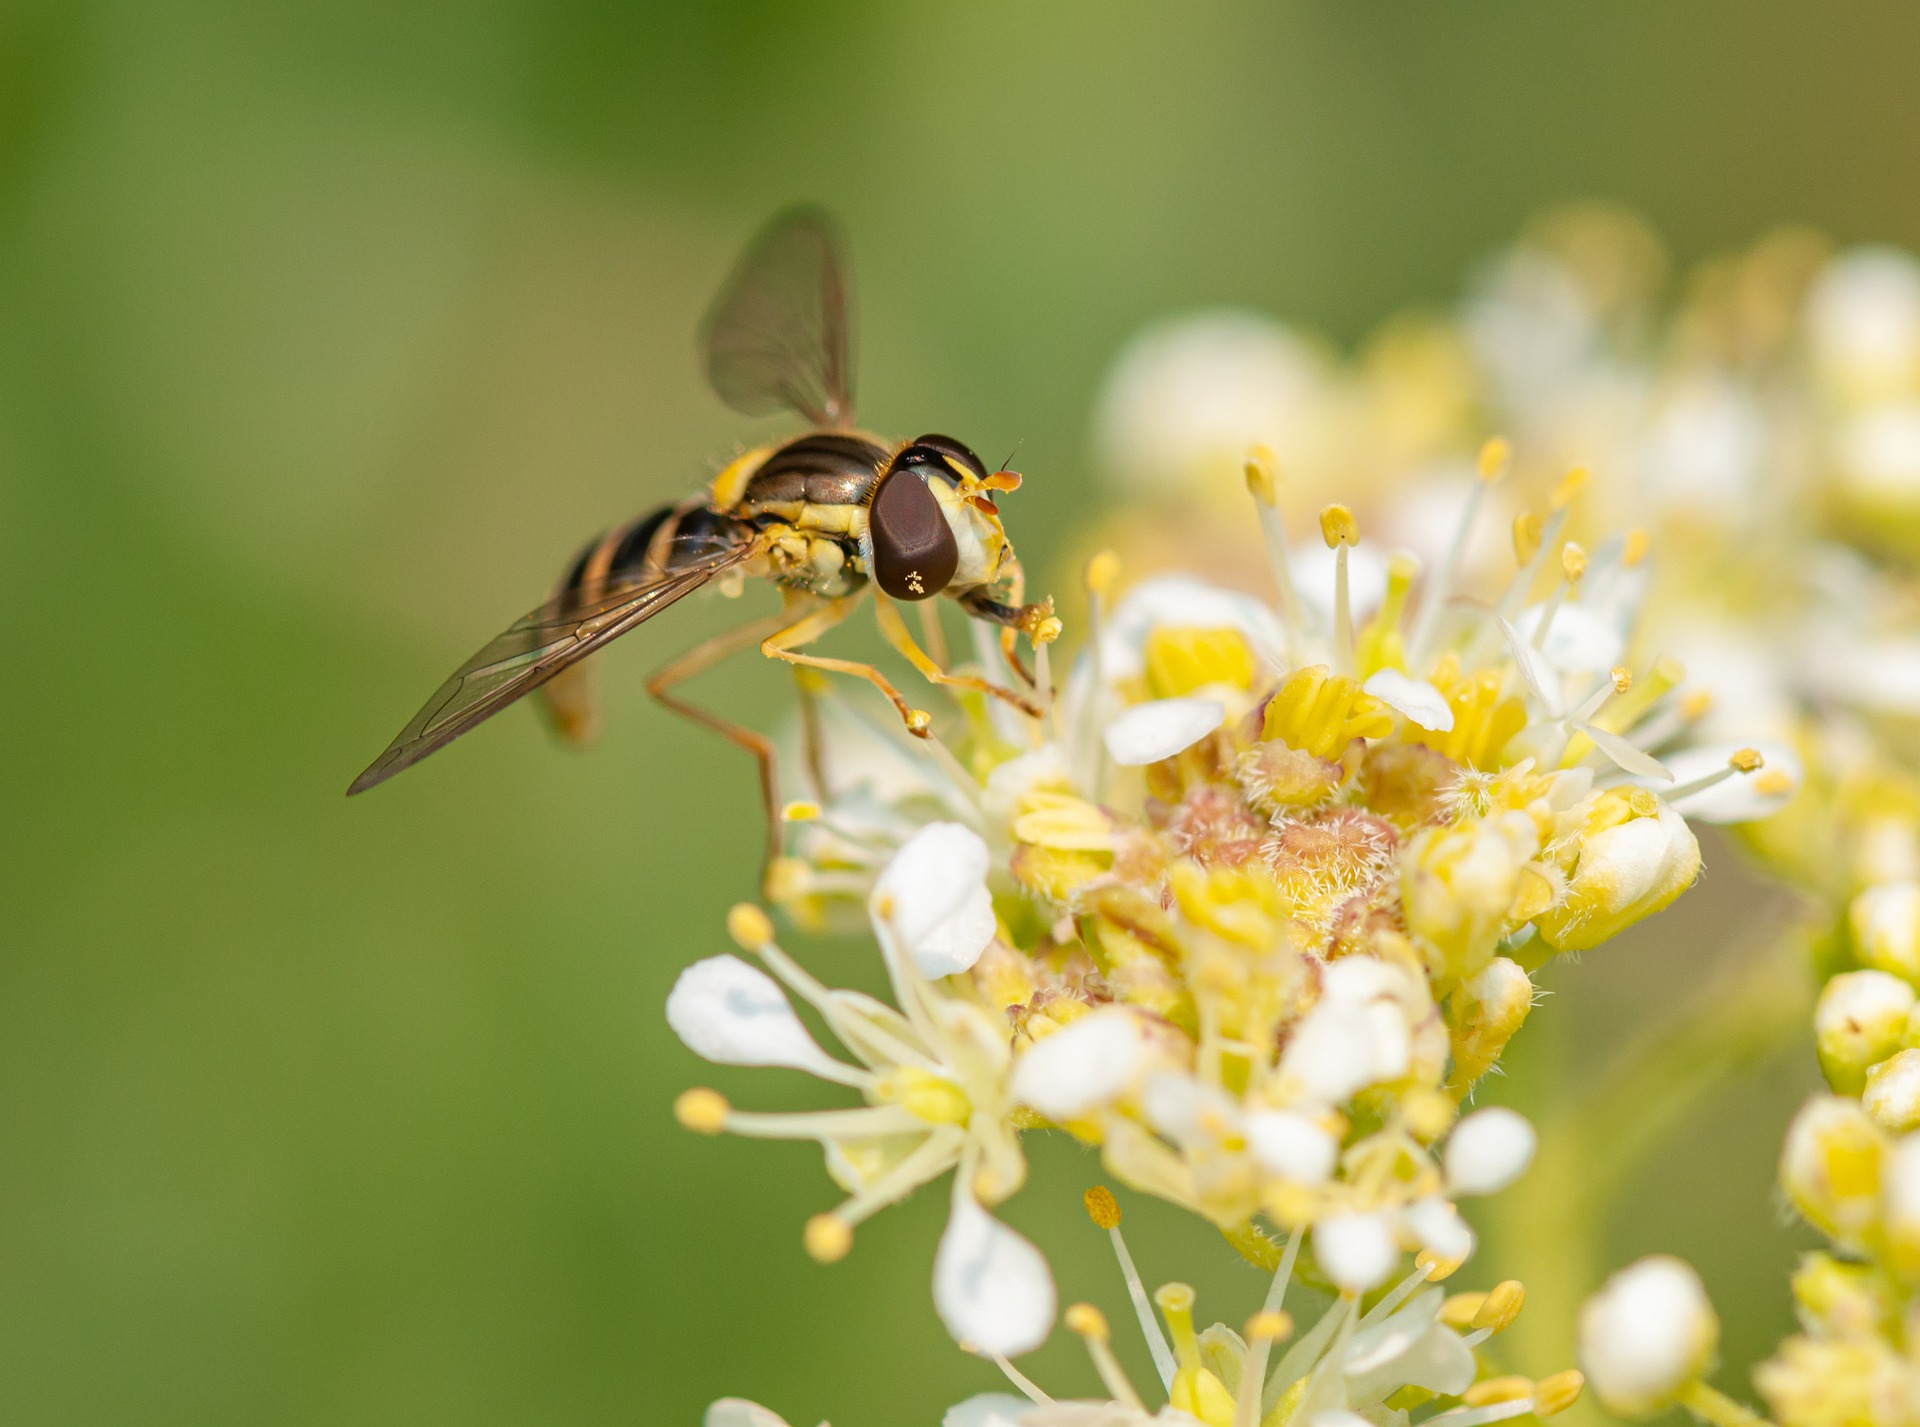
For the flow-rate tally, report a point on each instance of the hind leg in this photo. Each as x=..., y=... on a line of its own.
x=703, y=657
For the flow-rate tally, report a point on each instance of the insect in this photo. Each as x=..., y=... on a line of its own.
x=824, y=516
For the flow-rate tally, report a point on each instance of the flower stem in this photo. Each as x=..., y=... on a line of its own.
x=1715, y=1408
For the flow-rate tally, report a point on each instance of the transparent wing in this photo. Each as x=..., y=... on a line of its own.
x=776, y=338
x=530, y=652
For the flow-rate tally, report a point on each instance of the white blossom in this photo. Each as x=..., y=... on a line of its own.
x=1488, y=1150
x=1646, y=1334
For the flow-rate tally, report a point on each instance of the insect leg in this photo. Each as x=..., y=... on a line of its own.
x=786, y=645
x=895, y=630
x=809, y=686
x=703, y=657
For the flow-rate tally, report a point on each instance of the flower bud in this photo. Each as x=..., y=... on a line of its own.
x=1488, y=1151
x=1457, y=886
x=1886, y=927
x=1624, y=870
x=1861, y=1019
x=1892, y=1093
x=1831, y=1166
x=1645, y=1335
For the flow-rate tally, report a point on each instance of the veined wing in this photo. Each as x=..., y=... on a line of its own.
x=776, y=338
x=531, y=651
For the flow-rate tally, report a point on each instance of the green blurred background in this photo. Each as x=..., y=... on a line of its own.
x=328, y=329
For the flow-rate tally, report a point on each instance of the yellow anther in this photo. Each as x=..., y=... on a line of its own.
x=1338, y=527
x=1088, y=1322
x=800, y=811
x=1047, y=630
x=1557, y=1393
x=1643, y=803
x=1459, y=1311
x=1497, y=1389
x=1773, y=784
x=1569, y=487
x=1573, y=562
x=701, y=1110
x=827, y=1238
x=1263, y=474
x=1634, y=547
x=1102, y=1207
x=1436, y=1268
x=749, y=927
x=1269, y=1327
x=1526, y=536
x=1491, y=463
x=1622, y=678
x=918, y=722
x=1746, y=760
x=1103, y=570
x=1696, y=705
x=1503, y=1304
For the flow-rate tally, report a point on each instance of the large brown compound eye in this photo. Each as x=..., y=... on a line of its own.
x=914, y=552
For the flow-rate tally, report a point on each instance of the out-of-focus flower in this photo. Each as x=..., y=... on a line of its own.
x=1646, y=1336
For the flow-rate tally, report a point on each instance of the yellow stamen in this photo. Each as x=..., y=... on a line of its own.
x=1696, y=705
x=1086, y=1321
x=1622, y=678
x=826, y=1238
x=1269, y=1327
x=1102, y=1207
x=1502, y=1306
x=1573, y=562
x=1091, y=1326
x=1497, y=1389
x=749, y=927
x=1746, y=760
x=1557, y=1393
x=1526, y=537
x=1436, y=1267
x=1773, y=784
x=1263, y=474
x=802, y=811
x=702, y=1111
x=1494, y=455
x=1459, y=1311
x=1338, y=527
x=1635, y=547
x=1569, y=487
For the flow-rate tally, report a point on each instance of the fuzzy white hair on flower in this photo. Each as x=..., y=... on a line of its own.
x=734, y=1014
x=932, y=899
x=1087, y=1064
x=991, y=1287
x=1488, y=1150
x=1160, y=728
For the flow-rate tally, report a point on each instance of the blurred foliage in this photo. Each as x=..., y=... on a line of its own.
x=327, y=330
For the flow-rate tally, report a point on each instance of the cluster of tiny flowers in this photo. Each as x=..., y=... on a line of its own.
x=1249, y=909
x=1767, y=432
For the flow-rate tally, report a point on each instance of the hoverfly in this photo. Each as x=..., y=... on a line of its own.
x=822, y=515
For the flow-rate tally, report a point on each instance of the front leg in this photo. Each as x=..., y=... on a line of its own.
x=786, y=645
x=895, y=631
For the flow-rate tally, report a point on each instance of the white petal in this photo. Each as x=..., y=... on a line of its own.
x=1331, y=1051
x=1737, y=799
x=1292, y=1146
x=935, y=890
x=1187, y=1111
x=1636, y=762
x=738, y=1412
x=1438, y=1225
x=735, y=1014
x=1356, y=1251
x=987, y=1409
x=1534, y=670
x=990, y=1286
x=1183, y=601
x=1420, y=701
x=1488, y=1150
x=1148, y=732
x=1084, y=1065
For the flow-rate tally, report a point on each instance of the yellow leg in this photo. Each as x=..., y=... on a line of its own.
x=703, y=657
x=895, y=630
x=785, y=645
